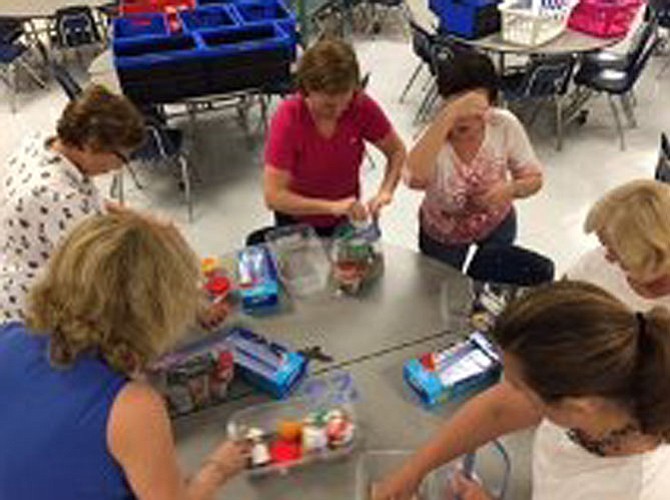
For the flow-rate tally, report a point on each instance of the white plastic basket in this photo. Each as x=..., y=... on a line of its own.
x=535, y=24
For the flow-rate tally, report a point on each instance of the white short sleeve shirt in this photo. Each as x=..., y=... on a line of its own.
x=562, y=470
x=42, y=197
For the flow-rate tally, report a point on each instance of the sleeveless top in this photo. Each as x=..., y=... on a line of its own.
x=53, y=423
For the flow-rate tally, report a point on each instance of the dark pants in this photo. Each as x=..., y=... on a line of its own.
x=455, y=255
x=281, y=220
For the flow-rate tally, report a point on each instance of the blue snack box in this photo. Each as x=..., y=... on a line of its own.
x=454, y=373
x=258, y=280
x=265, y=364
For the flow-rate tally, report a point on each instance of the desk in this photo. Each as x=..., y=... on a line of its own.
x=41, y=8
x=371, y=337
x=568, y=42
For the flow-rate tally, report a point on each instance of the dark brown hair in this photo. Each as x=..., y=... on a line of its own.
x=101, y=120
x=467, y=70
x=574, y=339
x=328, y=66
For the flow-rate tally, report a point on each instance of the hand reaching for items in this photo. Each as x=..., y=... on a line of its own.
x=375, y=205
x=467, y=489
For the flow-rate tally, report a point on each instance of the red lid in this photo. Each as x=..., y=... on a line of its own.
x=218, y=285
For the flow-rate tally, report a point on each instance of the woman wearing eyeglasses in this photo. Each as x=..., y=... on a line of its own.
x=46, y=187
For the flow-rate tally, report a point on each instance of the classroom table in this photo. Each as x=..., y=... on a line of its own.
x=34, y=9
x=370, y=336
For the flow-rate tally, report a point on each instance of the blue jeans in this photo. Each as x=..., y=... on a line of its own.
x=455, y=255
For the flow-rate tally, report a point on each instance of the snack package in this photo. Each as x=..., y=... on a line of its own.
x=357, y=256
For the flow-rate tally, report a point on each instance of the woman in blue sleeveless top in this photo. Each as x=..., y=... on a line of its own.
x=76, y=423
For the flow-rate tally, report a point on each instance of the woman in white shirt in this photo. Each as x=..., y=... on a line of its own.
x=594, y=375
x=47, y=187
x=632, y=223
x=472, y=162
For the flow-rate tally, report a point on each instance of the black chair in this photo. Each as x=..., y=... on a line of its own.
x=662, y=172
x=601, y=59
x=511, y=265
x=619, y=82
x=67, y=82
x=544, y=79
x=422, y=45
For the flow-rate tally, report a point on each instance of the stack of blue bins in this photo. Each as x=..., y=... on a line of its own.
x=220, y=47
x=470, y=19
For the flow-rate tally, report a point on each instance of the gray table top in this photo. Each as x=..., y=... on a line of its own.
x=41, y=8
x=370, y=336
x=390, y=417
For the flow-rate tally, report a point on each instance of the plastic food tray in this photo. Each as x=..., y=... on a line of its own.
x=303, y=263
x=491, y=465
x=268, y=416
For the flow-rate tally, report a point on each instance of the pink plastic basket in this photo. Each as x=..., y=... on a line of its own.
x=604, y=18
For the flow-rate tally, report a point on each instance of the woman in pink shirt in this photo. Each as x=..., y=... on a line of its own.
x=316, y=144
x=472, y=162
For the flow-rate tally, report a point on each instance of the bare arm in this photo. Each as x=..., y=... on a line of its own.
x=279, y=197
x=396, y=154
x=526, y=184
x=498, y=411
x=140, y=439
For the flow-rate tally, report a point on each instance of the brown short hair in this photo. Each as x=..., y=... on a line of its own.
x=574, y=339
x=101, y=120
x=121, y=285
x=328, y=66
x=634, y=219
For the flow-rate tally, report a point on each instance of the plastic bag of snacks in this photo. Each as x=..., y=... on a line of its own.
x=357, y=256
x=195, y=376
x=489, y=301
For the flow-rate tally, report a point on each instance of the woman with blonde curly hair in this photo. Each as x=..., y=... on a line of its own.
x=76, y=419
x=632, y=223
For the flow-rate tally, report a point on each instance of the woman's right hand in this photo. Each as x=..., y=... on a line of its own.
x=351, y=207
x=229, y=459
x=473, y=103
x=401, y=485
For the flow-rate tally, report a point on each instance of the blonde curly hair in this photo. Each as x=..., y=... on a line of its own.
x=120, y=285
x=634, y=221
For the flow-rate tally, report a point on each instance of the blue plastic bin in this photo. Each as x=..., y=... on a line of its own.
x=140, y=25
x=203, y=18
x=247, y=56
x=255, y=11
x=469, y=19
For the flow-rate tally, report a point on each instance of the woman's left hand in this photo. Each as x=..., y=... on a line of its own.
x=376, y=204
x=215, y=314
x=500, y=193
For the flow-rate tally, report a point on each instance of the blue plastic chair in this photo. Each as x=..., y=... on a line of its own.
x=12, y=57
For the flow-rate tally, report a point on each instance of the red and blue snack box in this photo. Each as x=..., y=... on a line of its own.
x=258, y=280
x=459, y=371
x=266, y=365
x=195, y=376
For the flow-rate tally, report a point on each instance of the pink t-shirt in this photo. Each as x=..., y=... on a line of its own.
x=448, y=213
x=319, y=167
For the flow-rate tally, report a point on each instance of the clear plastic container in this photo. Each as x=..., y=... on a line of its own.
x=268, y=418
x=357, y=256
x=491, y=466
x=303, y=263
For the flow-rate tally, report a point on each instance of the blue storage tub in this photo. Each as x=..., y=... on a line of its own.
x=255, y=11
x=140, y=25
x=212, y=17
x=146, y=52
x=469, y=19
x=205, y=3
